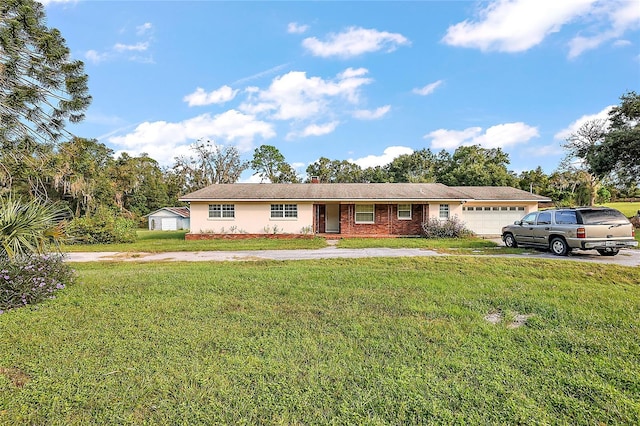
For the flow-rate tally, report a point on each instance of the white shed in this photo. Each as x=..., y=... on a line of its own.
x=169, y=219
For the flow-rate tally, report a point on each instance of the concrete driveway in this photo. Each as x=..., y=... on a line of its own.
x=625, y=258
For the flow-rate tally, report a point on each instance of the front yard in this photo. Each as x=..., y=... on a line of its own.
x=368, y=341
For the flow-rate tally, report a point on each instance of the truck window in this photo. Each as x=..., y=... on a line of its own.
x=544, y=218
x=602, y=216
x=529, y=219
x=566, y=218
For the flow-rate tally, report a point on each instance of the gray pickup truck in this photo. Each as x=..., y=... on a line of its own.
x=562, y=230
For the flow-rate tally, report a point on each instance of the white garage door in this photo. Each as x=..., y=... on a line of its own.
x=169, y=224
x=489, y=220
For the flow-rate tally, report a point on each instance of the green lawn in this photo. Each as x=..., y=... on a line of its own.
x=166, y=241
x=628, y=209
x=435, y=243
x=368, y=341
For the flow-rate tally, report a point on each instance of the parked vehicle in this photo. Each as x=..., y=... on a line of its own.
x=562, y=230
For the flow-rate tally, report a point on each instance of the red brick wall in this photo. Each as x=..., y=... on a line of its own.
x=386, y=220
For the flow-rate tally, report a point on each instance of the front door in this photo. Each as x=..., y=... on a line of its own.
x=332, y=218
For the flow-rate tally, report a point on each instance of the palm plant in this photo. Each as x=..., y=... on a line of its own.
x=33, y=227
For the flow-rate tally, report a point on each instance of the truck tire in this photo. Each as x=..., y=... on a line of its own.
x=510, y=241
x=559, y=247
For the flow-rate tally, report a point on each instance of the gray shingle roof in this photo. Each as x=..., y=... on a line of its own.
x=354, y=192
x=499, y=193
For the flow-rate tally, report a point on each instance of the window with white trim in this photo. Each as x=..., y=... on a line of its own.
x=284, y=211
x=222, y=211
x=404, y=211
x=444, y=211
x=365, y=213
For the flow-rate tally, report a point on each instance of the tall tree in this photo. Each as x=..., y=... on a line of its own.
x=212, y=164
x=41, y=88
x=581, y=149
x=619, y=152
x=536, y=181
x=477, y=166
x=335, y=171
x=81, y=174
x=139, y=184
x=419, y=166
x=269, y=163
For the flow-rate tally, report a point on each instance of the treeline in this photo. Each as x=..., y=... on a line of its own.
x=84, y=175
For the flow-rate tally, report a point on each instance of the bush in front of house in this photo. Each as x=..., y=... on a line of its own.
x=103, y=227
x=450, y=228
x=31, y=279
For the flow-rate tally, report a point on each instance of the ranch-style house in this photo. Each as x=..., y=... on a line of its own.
x=351, y=209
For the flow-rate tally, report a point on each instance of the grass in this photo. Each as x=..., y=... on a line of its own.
x=627, y=208
x=166, y=241
x=368, y=341
x=430, y=244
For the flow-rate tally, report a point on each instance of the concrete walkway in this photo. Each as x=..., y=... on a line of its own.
x=323, y=253
x=627, y=257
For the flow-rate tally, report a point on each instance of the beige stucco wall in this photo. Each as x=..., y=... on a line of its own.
x=252, y=218
x=455, y=209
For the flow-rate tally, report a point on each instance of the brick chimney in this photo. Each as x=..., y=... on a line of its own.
x=315, y=179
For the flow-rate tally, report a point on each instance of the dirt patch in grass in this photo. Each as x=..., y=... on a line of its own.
x=518, y=320
x=16, y=376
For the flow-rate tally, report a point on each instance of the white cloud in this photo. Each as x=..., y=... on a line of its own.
x=315, y=130
x=622, y=43
x=364, y=114
x=48, y=2
x=295, y=28
x=163, y=140
x=545, y=150
x=572, y=128
x=260, y=74
x=389, y=154
x=294, y=96
x=498, y=136
x=138, y=47
x=619, y=16
x=451, y=139
x=354, y=42
x=298, y=165
x=428, y=89
x=95, y=56
x=144, y=28
x=515, y=25
x=201, y=98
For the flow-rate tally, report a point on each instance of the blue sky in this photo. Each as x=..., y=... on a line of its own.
x=359, y=81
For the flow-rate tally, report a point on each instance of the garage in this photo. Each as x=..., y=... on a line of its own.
x=169, y=224
x=489, y=220
x=169, y=219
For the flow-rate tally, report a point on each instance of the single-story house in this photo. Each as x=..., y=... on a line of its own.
x=352, y=209
x=169, y=219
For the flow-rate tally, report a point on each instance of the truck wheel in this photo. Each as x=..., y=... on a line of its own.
x=610, y=252
x=509, y=241
x=559, y=247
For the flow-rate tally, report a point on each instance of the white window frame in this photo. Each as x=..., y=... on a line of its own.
x=444, y=212
x=284, y=211
x=363, y=211
x=222, y=211
x=403, y=209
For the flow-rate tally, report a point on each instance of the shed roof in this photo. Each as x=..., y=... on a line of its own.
x=383, y=192
x=180, y=211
